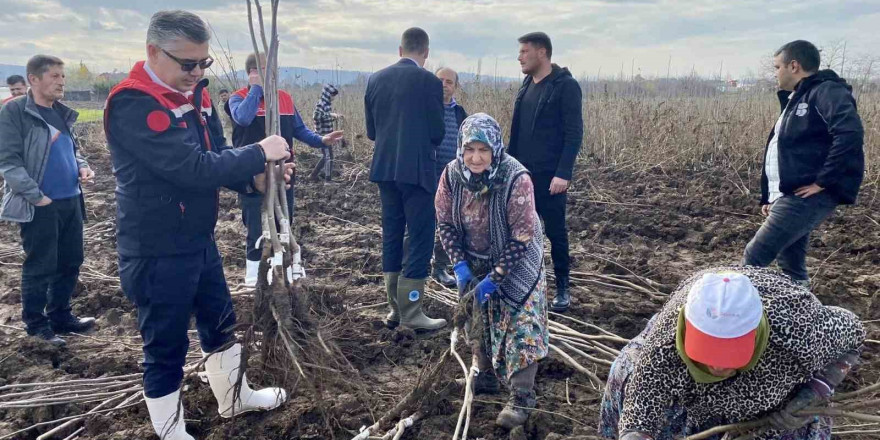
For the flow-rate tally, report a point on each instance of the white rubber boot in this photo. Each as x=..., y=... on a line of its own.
x=250, y=274
x=166, y=414
x=222, y=373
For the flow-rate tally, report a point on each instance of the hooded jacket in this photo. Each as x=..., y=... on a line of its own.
x=323, y=116
x=820, y=140
x=557, y=129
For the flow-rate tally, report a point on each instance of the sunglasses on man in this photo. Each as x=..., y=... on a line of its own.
x=187, y=65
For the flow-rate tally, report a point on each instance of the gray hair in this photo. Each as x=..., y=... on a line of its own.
x=168, y=26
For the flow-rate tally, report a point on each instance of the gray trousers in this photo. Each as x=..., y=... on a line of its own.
x=785, y=234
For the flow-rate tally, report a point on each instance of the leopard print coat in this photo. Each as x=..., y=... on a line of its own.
x=804, y=337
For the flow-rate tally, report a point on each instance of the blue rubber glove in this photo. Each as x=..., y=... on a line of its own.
x=463, y=276
x=485, y=289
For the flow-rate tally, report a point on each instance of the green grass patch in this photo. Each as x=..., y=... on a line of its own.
x=90, y=115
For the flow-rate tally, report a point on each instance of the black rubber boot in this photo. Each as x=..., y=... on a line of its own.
x=563, y=298
x=443, y=277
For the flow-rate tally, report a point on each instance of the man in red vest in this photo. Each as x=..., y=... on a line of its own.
x=248, y=112
x=170, y=160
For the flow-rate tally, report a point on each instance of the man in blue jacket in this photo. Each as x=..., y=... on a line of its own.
x=404, y=116
x=170, y=160
x=814, y=159
x=248, y=111
x=545, y=136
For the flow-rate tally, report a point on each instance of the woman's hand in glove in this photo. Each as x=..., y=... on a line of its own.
x=484, y=290
x=785, y=420
x=463, y=276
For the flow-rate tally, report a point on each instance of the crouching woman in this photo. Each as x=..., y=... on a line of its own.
x=490, y=229
x=731, y=345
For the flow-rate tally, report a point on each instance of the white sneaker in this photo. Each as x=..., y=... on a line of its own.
x=250, y=274
x=222, y=372
x=166, y=415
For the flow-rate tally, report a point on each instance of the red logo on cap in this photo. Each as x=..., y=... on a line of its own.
x=158, y=121
x=726, y=280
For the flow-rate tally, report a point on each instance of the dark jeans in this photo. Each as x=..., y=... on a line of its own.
x=324, y=166
x=441, y=258
x=407, y=208
x=552, y=208
x=251, y=211
x=53, y=247
x=785, y=234
x=167, y=292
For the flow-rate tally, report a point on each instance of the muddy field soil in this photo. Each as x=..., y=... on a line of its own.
x=656, y=224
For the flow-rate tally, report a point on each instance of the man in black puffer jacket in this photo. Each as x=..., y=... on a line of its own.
x=814, y=159
x=545, y=136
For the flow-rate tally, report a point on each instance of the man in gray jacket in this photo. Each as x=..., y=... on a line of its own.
x=42, y=173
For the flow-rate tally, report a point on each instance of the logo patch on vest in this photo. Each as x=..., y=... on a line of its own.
x=802, y=109
x=158, y=121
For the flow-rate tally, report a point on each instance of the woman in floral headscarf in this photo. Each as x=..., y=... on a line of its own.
x=488, y=225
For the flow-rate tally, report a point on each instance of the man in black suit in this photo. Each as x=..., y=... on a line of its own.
x=404, y=116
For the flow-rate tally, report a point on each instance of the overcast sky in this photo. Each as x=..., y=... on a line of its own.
x=589, y=36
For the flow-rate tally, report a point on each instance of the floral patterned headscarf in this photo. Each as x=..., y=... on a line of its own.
x=483, y=128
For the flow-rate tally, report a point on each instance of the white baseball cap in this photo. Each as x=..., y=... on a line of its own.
x=722, y=315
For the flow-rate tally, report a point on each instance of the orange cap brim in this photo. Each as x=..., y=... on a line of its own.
x=718, y=352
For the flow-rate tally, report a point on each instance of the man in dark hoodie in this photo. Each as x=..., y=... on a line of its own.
x=814, y=159
x=545, y=136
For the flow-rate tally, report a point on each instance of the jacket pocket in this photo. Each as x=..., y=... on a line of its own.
x=160, y=218
x=136, y=275
x=15, y=208
x=197, y=214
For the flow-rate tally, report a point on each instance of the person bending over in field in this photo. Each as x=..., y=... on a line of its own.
x=489, y=227
x=814, y=160
x=732, y=344
x=170, y=160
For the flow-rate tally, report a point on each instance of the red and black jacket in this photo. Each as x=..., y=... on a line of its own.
x=170, y=159
x=248, y=134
